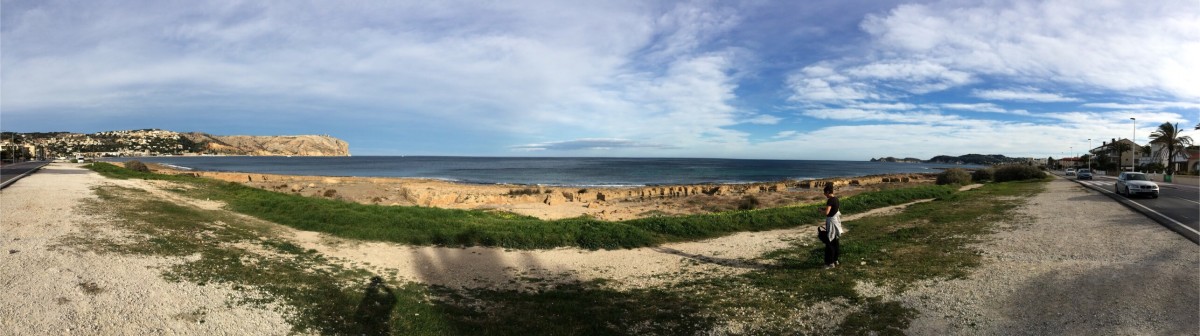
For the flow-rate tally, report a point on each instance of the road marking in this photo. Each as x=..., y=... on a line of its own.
x=1165, y=216
x=1186, y=199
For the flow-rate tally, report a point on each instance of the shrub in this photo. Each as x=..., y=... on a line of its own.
x=137, y=166
x=954, y=176
x=330, y=193
x=748, y=203
x=1018, y=173
x=521, y=192
x=985, y=174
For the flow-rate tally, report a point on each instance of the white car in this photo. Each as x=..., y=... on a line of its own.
x=1135, y=184
x=1070, y=172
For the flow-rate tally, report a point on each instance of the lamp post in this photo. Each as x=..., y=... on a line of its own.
x=1089, y=155
x=1133, y=152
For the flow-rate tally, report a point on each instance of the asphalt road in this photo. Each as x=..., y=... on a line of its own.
x=1177, y=202
x=9, y=172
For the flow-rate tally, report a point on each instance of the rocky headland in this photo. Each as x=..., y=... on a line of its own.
x=297, y=145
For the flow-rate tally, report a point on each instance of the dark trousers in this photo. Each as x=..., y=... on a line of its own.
x=832, y=247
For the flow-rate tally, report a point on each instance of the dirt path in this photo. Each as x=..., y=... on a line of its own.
x=1077, y=264
x=57, y=291
x=489, y=267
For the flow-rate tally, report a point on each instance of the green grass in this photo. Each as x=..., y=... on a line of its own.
x=434, y=226
x=926, y=241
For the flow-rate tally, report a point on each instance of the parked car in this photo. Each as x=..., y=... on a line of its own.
x=1070, y=172
x=1135, y=184
x=1084, y=174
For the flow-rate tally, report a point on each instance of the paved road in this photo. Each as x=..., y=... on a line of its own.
x=12, y=171
x=1180, y=203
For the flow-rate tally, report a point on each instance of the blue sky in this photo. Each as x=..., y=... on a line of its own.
x=843, y=80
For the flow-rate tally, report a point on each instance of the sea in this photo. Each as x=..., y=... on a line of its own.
x=557, y=171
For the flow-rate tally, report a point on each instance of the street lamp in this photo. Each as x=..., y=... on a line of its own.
x=1132, y=157
x=1089, y=156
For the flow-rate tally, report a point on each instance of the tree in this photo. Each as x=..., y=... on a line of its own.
x=1168, y=135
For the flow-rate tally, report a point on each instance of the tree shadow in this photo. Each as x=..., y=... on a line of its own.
x=737, y=263
x=530, y=299
x=1158, y=290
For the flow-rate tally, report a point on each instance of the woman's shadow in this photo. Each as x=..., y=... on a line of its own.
x=375, y=311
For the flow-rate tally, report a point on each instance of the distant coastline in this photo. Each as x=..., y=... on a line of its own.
x=580, y=172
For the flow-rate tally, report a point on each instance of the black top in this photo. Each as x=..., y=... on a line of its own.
x=834, y=206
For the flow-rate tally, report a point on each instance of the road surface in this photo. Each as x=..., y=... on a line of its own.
x=10, y=172
x=1178, y=203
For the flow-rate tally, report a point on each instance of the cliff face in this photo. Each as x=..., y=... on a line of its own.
x=298, y=145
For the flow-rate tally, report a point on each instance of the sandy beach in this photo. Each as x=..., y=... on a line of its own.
x=1070, y=267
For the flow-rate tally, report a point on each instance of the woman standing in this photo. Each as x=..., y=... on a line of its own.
x=831, y=233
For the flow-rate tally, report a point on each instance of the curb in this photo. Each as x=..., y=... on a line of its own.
x=31, y=171
x=1180, y=228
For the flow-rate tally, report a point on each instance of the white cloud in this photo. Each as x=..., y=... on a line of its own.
x=1112, y=45
x=1028, y=95
x=1149, y=105
x=852, y=114
x=982, y=107
x=587, y=144
x=784, y=135
x=763, y=119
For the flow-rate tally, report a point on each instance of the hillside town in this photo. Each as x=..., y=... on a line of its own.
x=67, y=146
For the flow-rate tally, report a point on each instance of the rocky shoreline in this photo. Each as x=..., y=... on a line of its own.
x=555, y=202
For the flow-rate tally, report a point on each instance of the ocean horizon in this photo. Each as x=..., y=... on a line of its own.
x=548, y=171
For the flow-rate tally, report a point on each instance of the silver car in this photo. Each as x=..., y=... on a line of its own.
x=1135, y=184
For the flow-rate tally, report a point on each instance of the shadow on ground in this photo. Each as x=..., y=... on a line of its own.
x=1155, y=295
x=545, y=303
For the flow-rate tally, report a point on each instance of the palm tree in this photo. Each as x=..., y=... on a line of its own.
x=1169, y=135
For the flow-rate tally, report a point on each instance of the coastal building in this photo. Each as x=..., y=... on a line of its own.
x=1116, y=154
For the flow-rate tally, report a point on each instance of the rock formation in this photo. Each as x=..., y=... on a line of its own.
x=298, y=145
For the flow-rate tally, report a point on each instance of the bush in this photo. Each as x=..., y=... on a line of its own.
x=523, y=192
x=1018, y=173
x=748, y=203
x=985, y=174
x=954, y=176
x=137, y=166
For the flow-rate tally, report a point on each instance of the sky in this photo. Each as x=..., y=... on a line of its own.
x=820, y=80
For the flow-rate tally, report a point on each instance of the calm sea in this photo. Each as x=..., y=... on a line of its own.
x=549, y=171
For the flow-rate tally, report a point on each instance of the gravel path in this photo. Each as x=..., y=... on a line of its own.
x=1076, y=264
x=58, y=291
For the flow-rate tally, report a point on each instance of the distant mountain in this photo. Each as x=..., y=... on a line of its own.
x=892, y=159
x=977, y=159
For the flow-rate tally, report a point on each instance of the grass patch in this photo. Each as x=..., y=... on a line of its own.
x=928, y=240
x=434, y=226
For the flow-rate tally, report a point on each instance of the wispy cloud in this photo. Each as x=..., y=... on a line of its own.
x=1028, y=95
x=588, y=144
x=1150, y=105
